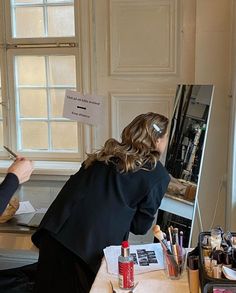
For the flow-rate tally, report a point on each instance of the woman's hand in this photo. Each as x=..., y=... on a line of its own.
x=22, y=168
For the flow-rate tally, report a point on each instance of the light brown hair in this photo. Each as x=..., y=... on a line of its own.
x=137, y=149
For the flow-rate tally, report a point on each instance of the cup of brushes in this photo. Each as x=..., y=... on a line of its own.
x=173, y=251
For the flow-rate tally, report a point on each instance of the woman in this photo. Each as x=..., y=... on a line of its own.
x=117, y=190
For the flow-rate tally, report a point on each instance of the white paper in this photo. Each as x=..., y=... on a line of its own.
x=154, y=250
x=25, y=207
x=83, y=108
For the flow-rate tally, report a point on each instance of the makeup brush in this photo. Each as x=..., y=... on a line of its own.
x=159, y=235
x=169, y=256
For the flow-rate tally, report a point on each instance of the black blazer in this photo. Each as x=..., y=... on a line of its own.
x=99, y=206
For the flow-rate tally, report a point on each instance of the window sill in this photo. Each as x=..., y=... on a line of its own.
x=46, y=170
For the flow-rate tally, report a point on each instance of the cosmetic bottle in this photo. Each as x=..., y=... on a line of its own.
x=193, y=273
x=216, y=238
x=206, y=246
x=126, y=267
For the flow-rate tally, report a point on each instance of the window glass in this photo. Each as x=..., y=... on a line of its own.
x=64, y=135
x=30, y=71
x=57, y=97
x=29, y=15
x=26, y=1
x=60, y=21
x=61, y=71
x=38, y=19
x=40, y=86
x=34, y=135
x=33, y=103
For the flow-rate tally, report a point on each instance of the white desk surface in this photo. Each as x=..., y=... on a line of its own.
x=151, y=282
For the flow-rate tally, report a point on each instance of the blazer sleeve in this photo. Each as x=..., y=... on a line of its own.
x=147, y=208
x=7, y=189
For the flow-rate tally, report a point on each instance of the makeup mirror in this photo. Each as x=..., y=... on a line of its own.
x=185, y=157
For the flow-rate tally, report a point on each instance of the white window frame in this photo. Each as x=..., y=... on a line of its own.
x=37, y=52
x=47, y=40
x=17, y=46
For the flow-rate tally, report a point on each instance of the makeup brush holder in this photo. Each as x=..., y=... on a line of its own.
x=174, y=264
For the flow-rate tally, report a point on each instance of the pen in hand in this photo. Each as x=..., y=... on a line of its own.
x=10, y=151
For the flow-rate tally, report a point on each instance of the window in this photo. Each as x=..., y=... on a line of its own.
x=47, y=18
x=41, y=60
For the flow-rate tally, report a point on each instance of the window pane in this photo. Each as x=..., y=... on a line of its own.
x=37, y=19
x=34, y=135
x=40, y=86
x=57, y=27
x=27, y=1
x=29, y=22
x=30, y=70
x=62, y=71
x=33, y=103
x=57, y=102
x=64, y=136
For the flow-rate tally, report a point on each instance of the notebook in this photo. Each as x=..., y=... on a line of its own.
x=30, y=219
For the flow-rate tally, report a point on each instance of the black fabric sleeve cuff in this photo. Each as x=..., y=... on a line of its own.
x=7, y=189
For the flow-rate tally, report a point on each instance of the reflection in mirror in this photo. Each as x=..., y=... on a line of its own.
x=184, y=156
x=186, y=139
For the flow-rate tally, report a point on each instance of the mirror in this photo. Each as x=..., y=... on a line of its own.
x=184, y=157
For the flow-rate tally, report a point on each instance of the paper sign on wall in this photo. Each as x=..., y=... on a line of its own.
x=83, y=108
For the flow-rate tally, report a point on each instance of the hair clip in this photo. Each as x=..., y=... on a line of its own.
x=157, y=128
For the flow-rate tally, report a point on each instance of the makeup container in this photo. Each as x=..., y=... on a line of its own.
x=233, y=257
x=174, y=264
x=126, y=267
x=216, y=238
x=193, y=273
x=217, y=271
x=227, y=259
x=206, y=245
x=207, y=265
x=218, y=256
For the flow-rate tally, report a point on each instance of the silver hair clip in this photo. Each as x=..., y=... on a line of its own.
x=157, y=128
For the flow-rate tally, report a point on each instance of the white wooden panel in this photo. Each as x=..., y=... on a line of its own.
x=143, y=36
x=125, y=107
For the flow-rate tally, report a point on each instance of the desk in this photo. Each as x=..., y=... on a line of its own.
x=16, y=247
x=13, y=236
x=151, y=282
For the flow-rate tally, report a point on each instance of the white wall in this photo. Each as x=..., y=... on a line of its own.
x=212, y=65
x=231, y=202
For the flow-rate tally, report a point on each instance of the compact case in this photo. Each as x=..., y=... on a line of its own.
x=208, y=283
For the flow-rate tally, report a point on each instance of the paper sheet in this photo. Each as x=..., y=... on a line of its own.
x=147, y=258
x=25, y=207
x=83, y=108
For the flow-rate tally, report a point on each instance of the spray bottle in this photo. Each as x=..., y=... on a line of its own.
x=126, y=267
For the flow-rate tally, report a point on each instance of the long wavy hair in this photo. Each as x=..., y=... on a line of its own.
x=138, y=146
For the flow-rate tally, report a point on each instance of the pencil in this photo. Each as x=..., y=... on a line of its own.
x=10, y=151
